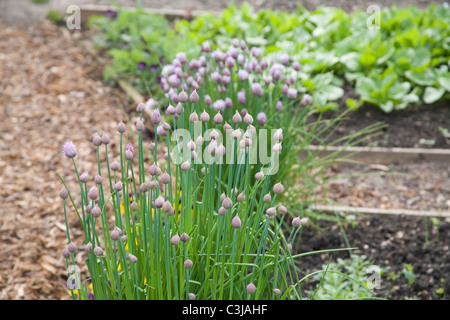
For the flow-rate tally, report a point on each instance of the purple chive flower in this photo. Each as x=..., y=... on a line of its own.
x=307, y=99
x=208, y=100
x=129, y=147
x=256, y=52
x=292, y=93
x=216, y=77
x=174, y=80
x=160, y=131
x=241, y=96
x=262, y=118
x=284, y=59
x=285, y=89
x=91, y=296
x=296, y=65
x=69, y=150
x=141, y=65
x=279, y=106
x=153, y=68
x=242, y=75
x=235, y=42
x=257, y=89
x=181, y=56
x=205, y=47
x=230, y=62
x=111, y=14
x=228, y=103
x=219, y=105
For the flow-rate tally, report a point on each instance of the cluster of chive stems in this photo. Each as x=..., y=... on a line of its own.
x=196, y=231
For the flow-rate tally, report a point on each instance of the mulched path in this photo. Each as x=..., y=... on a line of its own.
x=51, y=91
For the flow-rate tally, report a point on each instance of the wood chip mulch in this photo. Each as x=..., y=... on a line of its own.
x=51, y=91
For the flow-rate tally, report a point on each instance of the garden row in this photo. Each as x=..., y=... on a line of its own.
x=405, y=61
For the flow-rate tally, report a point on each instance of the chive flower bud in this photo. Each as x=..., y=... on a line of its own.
x=194, y=96
x=88, y=247
x=284, y=59
x=184, y=237
x=193, y=117
x=98, y=251
x=188, y=264
x=96, y=212
x=278, y=188
x=175, y=240
x=240, y=197
x=185, y=166
x=89, y=208
x=208, y=100
x=69, y=150
x=182, y=96
x=154, y=170
x=156, y=117
x=204, y=116
x=64, y=194
x=271, y=211
x=292, y=93
x=72, y=247
x=84, y=177
x=121, y=127
x=296, y=222
x=236, y=222
x=115, y=234
x=241, y=96
x=267, y=198
x=199, y=141
x=277, y=147
x=279, y=106
x=133, y=258
x=227, y=127
x=96, y=141
x=167, y=207
x=278, y=135
x=218, y=119
x=115, y=166
x=251, y=288
x=282, y=209
x=140, y=107
x=66, y=253
x=222, y=211
x=248, y=119
x=227, y=203
x=171, y=110
x=259, y=176
x=165, y=178
x=179, y=109
x=159, y=202
x=277, y=291
x=124, y=238
x=134, y=206
x=118, y=186
x=303, y=221
x=98, y=179
x=262, y=118
x=192, y=296
x=140, y=125
x=214, y=134
x=105, y=139
x=93, y=193
x=236, y=118
x=220, y=150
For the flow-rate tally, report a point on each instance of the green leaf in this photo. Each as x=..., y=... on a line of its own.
x=425, y=78
x=444, y=81
x=387, y=106
x=432, y=94
x=333, y=92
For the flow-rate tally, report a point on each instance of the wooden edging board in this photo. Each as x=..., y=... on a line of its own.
x=381, y=155
x=406, y=212
x=88, y=10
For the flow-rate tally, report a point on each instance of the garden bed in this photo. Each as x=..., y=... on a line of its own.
x=391, y=242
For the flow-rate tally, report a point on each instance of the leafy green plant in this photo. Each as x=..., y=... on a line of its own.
x=344, y=279
x=408, y=272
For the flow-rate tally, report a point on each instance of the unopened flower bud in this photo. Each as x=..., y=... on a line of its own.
x=88, y=247
x=259, y=176
x=240, y=197
x=93, y=193
x=121, y=127
x=271, y=211
x=133, y=258
x=124, y=238
x=155, y=117
x=140, y=107
x=182, y=97
x=218, y=119
x=167, y=207
x=165, y=178
x=222, y=211
x=140, y=125
x=194, y=96
x=227, y=127
x=193, y=117
x=106, y=139
x=175, y=240
x=159, y=202
x=248, y=119
x=185, y=166
x=277, y=147
x=184, y=237
x=303, y=221
x=279, y=106
x=118, y=186
x=64, y=194
x=69, y=150
x=66, y=253
x=115, y=166
x=72, y=247
x=129, y=155
x=96, y=212
x=98, y=251
x=134, y=206
x=192, y=296
x=84, y=177
x=278, y=135
x=296, y=222
x=115, y=234
x=97, y=141
x=154, y=170
x=251, y=288
x=236, y=222
x=237, y=118
x=98, y=179
x=282, y=209
x=227, y=203
x=204, y=116
x=188, y=264
x=277, y=291
x=278, y=188
x=267, y=198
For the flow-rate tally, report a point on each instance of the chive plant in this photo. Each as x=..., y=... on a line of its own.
x=204, y=226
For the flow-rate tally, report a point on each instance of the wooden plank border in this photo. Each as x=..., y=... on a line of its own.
x=364, y=210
